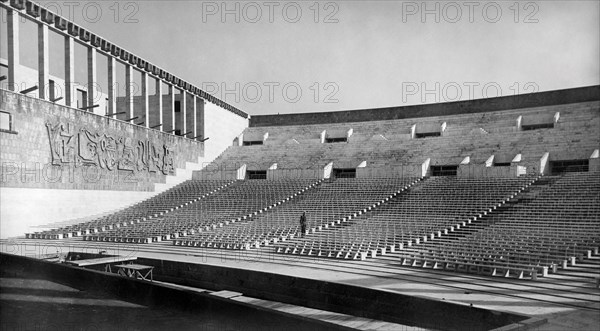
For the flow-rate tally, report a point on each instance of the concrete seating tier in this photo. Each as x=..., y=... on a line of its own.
x=551, y=226
x=434, y=206
x=175, y=197
x=485, y=134
x=326, y=205
x=494, y=122
x=236, y=202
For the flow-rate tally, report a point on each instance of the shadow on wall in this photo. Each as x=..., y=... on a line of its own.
x=32, y=297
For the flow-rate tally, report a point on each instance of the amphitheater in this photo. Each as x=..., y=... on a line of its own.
x=469, y=215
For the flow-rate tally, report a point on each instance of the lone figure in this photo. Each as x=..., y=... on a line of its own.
x=303, y=223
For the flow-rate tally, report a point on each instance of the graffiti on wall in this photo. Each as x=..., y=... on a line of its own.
x=82, y=147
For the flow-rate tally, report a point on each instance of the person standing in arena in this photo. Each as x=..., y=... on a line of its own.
x=303, y=223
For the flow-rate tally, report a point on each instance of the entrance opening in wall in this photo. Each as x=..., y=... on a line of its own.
x=559, y=167
x=251, y=143
x=344, y=173
x=530, y=127
x=444, y=170
x=256, y=174
x=336, y=140
x=427, y=134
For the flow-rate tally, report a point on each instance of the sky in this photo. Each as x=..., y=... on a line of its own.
x=269, y=57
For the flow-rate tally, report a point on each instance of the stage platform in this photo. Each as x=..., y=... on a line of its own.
x=556, y=302
x=101, y=261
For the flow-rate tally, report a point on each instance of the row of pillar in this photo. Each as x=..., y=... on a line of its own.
x=187, y=129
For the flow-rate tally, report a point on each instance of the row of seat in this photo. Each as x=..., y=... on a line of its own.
x=329, y=204
x=425, y=211
x=174, y=198
x=241, y=200
x=544, y=231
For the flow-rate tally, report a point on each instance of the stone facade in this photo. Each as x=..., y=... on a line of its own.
x=56, y=147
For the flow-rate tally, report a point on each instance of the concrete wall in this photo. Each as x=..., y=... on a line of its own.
x=399, y=171
x=330, y=296
x=475, y=135
x=295, y=173
x=428, y=127
x=38, y=187
x=229, y=171
x=26, y=210
x=215, y=175
x=481, y=171
x=221, y=127
x=583, y=94
x=537, y=119
x=231, y=315
x=33, y=176
x=342, y=298
x=57, y=147
x=594, y=164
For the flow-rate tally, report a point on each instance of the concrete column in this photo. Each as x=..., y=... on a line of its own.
x=70, y=98
x=159, y=93
x=92, y=78
x=43, y=61
x=13, y=49
x=194, y=115
x=200, y=117
x=112, y=104
x=145, y=105
x=172, y=95
x=183, y=112
x=128, y=91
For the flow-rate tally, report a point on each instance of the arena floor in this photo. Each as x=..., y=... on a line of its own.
x=567, y=302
